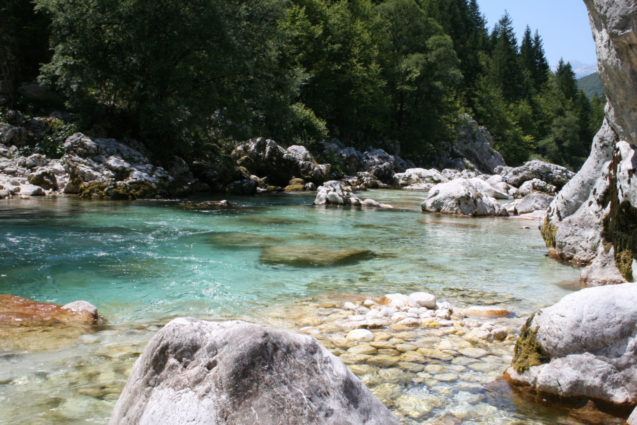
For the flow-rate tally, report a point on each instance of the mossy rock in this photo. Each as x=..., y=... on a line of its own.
x=313, y=256
x=549, y=230
x=528, y=351
x=295, y=181
x=294, y=188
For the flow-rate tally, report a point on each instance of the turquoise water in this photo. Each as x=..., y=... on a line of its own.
x=142, y=263
x=137, y=261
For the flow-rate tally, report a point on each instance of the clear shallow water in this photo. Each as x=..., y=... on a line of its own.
x=145, y=262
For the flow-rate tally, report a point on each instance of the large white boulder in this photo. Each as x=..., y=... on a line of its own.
x=461, y=196
x=335, y=192
x=195, y=372
x=583, y=346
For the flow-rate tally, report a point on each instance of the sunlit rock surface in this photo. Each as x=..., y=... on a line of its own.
x=196, y=372
x=593, y=219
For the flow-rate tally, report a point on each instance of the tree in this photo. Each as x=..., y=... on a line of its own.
x=505, y=67
x=421, y=70
x=566, y=81
x=212, y=67
x=332, y=45
x=24, y=40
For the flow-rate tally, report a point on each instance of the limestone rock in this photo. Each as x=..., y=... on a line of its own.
x=474, y=145
x=236, y=373
x=31, y=190
x=265, y=158
x=336, y=192
x=379, y=165
x=535, y=185
x=555, y=175
x=532, y=202
x=632, y=419
x=463, y=197
x=583, y=346
x=418, y=179
x=593, y=219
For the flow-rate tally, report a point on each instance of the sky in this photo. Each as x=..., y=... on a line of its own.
x=562, y=24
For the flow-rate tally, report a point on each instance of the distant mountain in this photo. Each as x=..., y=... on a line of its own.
x=591, y=85
x=582, y=70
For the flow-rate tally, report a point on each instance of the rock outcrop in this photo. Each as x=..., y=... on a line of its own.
x=593, y=219
x=583, y=346
x=546, y=172
x=266, y=159
x=379, y=166
x=418, y=179
x=472, y=149
x=471, y=197
x=93, y=168
x=195, y=372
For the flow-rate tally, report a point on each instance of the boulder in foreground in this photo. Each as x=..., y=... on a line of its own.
x=585, y=346
x=235, y=373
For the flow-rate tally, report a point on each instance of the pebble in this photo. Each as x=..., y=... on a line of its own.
x=362, y=349
x=422, y=299
x=476, y=353
x=415, y=407
x=360, y=335
x=382, y=360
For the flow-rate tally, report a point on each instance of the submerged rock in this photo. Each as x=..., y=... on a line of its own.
x=593, y=219
x=195, y=372
x=313, y=256
x=464, y=197
x=238, y=240
x=583, y=346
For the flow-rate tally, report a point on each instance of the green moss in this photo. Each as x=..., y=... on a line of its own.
x=93, y=190
x=620, y=226
x=624, y=262
x=294, y=188
x=548, y=233
x=528, y=351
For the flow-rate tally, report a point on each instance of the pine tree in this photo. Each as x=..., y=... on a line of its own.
x=505, y=67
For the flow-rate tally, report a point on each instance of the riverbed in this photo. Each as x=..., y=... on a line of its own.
x=143, y=263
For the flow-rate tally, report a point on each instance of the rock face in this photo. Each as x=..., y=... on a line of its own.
x=552, y=174
x=236, y=373
x=418, y=179
x=266, y=159
x=379, y=166
x=93, y=168
x=473, y=197
x=593, y=219
x=583, y=346
x=473, y=149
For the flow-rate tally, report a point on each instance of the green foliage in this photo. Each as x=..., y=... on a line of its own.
x=23, y=44
x=192, y=76
x=591, y=85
